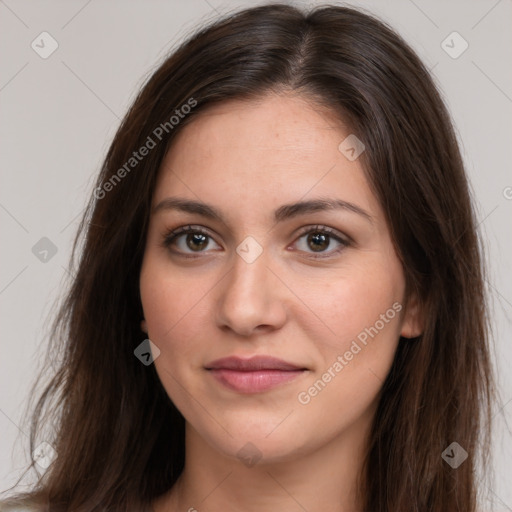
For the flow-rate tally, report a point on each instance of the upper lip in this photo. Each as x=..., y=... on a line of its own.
x=252, y=364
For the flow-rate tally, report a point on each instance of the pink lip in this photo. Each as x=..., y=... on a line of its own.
x=259, y=373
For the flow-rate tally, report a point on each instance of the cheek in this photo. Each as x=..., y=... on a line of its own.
x=341, y=309
x=361, y=317
x=174, y=307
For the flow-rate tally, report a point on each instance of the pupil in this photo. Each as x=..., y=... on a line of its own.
x=194, y=237
x=318, y=237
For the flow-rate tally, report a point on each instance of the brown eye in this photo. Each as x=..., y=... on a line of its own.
x=319, y=239
x=196, y=241
x=187, y=240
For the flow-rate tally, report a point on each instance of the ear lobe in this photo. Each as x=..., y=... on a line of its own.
x=413, y=319
x=144, y=326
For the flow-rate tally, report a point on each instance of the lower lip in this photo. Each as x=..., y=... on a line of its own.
x=254, y=381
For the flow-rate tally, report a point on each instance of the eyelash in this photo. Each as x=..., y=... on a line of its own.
x=172, y=235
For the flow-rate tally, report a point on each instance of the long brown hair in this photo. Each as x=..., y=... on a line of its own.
x=118, y=436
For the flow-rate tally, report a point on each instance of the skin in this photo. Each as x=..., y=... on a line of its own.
x=247, y=159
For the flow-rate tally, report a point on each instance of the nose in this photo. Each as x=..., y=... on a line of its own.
x=251, y=297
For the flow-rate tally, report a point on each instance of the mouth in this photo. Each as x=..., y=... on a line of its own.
x=254, y=375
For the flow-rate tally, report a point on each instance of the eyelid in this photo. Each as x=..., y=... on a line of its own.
x=326, y=229
x=344, y=241
x=170, y=235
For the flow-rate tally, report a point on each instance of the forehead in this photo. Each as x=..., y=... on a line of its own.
x=280, y=148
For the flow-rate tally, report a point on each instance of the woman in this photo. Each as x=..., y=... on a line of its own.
x=279, y=299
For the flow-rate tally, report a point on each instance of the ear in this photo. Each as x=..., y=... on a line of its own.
x=144, y=326
x=413, y=319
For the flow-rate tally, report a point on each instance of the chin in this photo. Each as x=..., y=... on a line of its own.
x=258, y=442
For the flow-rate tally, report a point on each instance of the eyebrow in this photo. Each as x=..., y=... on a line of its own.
x=284, y=212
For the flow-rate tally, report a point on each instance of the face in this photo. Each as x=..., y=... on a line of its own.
x=319, y=289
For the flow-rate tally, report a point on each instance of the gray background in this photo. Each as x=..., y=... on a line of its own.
x=59, y=115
